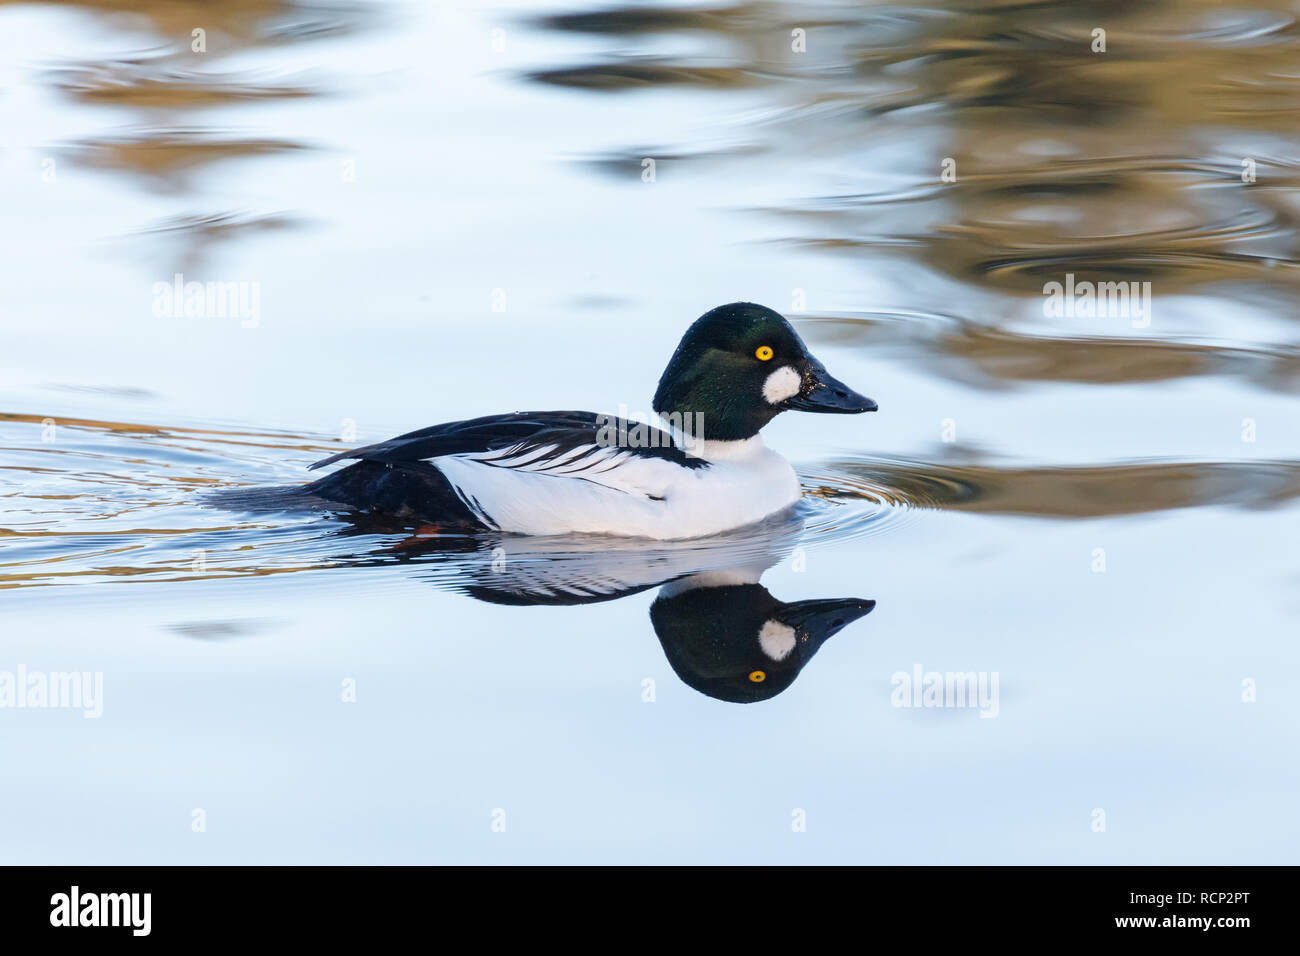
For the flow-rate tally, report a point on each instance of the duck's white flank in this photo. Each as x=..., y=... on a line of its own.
x=625, y=493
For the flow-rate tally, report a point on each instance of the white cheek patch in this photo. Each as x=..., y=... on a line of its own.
x=782, y=384
x=776, y=639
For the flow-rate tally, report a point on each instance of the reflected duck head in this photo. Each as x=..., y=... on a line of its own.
x=738, y=643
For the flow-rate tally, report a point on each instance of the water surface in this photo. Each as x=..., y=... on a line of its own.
x=446, y=211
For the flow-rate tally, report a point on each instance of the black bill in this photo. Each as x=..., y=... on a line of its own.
x=823, y=392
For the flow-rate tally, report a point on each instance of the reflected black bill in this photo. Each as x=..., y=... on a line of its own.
x=823, y=392
x=820, y=619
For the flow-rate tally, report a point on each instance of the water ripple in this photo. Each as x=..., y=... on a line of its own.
x=123, y=502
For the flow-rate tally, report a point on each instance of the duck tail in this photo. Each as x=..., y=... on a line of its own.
x=263, y=498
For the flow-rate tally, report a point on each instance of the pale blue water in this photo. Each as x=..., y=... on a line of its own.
x=387, y=177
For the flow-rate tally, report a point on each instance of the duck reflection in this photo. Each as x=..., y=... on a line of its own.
x=738, y=643
x=724, y=634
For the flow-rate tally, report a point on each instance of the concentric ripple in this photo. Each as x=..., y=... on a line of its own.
x=841, y=505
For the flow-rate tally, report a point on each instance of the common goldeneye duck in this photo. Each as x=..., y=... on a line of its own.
x=736, y=368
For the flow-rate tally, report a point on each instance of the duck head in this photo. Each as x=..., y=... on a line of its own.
x=738, y=643
x=739, y=366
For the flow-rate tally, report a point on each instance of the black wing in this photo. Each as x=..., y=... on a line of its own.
x=561, y=432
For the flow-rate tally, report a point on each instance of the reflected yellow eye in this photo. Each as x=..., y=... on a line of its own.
x=763, y=353
x=758, y=676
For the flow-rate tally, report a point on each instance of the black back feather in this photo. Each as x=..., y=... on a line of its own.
x=567, y=431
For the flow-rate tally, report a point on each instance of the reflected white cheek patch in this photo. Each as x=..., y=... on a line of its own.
x=781, y=384
x=776, y=639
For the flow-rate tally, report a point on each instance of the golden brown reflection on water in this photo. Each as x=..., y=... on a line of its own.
x=1086, y=492
x=1112, y=166
x=166, y=144
x=1116, y=165
x=981, y=356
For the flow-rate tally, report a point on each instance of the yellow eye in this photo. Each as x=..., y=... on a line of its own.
x=763, y=353
x=758, y=676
